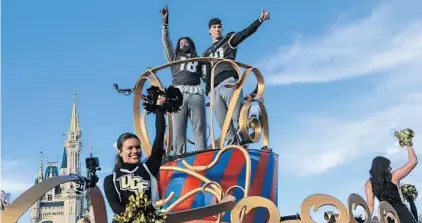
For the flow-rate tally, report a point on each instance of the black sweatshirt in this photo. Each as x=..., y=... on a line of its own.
x=133, y=178
x=227, y=48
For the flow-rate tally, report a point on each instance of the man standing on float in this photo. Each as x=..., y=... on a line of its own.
x=226, y=47
x=186, y=77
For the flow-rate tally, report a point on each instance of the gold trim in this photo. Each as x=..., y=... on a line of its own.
x=386, y=210
x=217, y=158
x=259, y=125
x=226, y=204
x=354, y=201
x=232, y=103
x=164, y=201
x=247, y=204
x=234, y=187
x=190, y=193
x=315, y=202
x=191, y=173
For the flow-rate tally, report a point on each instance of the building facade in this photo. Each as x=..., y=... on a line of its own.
x=63, y=204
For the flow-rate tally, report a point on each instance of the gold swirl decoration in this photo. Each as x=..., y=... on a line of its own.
x=385, y=210
x=209, y=186
x=315, y=202
x=215, y=187
x=258, y=124
x=354, y=201
x=217, y=158
x=247, y=204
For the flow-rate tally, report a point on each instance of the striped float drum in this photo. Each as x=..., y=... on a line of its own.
x=230, y=170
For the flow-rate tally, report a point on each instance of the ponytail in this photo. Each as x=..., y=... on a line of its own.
x=118, y=162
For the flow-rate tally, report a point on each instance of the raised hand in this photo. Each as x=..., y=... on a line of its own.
x=161, y=100
x=264, y=15
x=165, y=14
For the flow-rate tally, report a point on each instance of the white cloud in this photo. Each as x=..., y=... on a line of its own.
x=392, y=151
x=390, y=38
x=389, y=41
x=14, y=186
x=330, y=143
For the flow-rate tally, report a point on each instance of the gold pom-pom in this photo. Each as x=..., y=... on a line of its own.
x=405, y=137
x=140, y=210
x=409, y=191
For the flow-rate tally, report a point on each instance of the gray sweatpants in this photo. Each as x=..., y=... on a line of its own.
x=222, y=96
x=193, y=107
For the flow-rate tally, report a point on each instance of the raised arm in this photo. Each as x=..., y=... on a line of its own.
x=238, y=37
x=165, y=37
x=403, y=171
x=154, y=161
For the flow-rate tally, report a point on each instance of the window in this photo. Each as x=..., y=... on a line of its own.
x=49, y=197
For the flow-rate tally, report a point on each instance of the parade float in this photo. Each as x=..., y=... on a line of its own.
x=222, y=184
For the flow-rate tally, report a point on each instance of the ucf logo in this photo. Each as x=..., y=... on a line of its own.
x=133, y=183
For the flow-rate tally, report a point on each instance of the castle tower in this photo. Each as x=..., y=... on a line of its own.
x=62, y=204
x=35, y=210
x=71, y=165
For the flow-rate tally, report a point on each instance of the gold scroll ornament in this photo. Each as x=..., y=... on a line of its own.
x=316, y=201
x=258, y=124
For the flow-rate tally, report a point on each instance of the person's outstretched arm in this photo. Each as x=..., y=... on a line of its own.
x=239, y=37
x=165, y=37
x=154, y=161
x=112, y=197
x=403, y=171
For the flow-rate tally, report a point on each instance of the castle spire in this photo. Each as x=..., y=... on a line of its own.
x=41, y=170
x=90, y=148
x=36, y=177
x=74, y=121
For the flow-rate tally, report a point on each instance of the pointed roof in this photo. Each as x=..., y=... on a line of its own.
x=74, y=121
x=64, y=159
x=51, y=170
x=36, y=177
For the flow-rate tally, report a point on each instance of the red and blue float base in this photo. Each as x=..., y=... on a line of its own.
x=230, y=173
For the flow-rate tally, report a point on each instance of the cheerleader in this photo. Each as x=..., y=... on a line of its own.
x=131, y=177
x=383, y=182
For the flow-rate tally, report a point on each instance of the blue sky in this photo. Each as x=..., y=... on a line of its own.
x=341, y=77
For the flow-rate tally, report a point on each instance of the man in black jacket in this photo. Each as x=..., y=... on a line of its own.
x=226, y=47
